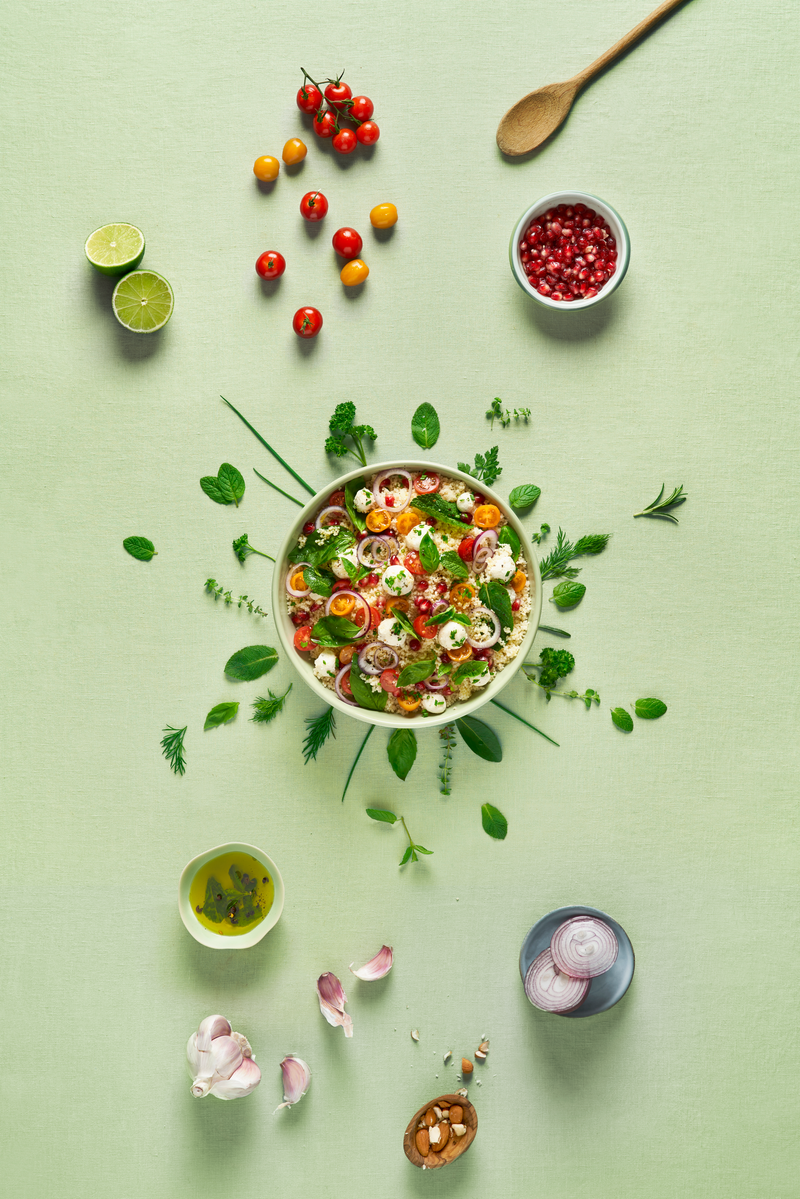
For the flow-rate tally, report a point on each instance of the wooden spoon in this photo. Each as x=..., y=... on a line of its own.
x=533, y=118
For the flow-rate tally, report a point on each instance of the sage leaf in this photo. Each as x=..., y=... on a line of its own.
x=363, y=694
x=429, y=554
x=425, y=426
x=251, y=662
x=230, y=483
x=649, y=709
x=524, y=496
x=494, y=822
x=406, y=856
x=495, y=596
x=482, y=740
x=402, y=751
x=221, y=714
x=382, y=814
x=359, y=519
x=622, y=719
x=568, y=594
x=415, y=672
x=453, y=563
x=140, y=547
x=509, y=537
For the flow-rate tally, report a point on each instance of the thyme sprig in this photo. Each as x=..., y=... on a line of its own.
x=497, y=412
x=660, y=506
x=320, y=728
x=556, y=564
x=448, y=739
x=217, y=590
x=172, y=748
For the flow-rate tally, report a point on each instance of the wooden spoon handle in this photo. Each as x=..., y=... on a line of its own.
x=626, y=42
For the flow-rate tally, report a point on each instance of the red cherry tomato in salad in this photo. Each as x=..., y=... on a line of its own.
x=336, y=93
x=302, y=638
x=368, y=133
x=344, y=683
x=336, y=499
x=465, y=549
x=347, y=243
x=325, y=125
x=270, y=265
x=427, y=632
x=412, y=563
x=342, y=585
x=389, y=681
x=345, y=141
x=362, y=108
x=426, y=483
x=313, y=206
x=307, y=322
x=309, y=98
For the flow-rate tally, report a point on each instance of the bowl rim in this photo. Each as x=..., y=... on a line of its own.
x=567, y=196
x=204, y=935
x=390, y=720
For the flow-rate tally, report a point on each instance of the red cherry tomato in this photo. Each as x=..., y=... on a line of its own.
x=336, y=499
x=325, y=125
x=271, y=265
x=309, y=98
x=307, y=322
x=426, y=483
x=336, y=93
x=347, y=243
x=465, y=549
x=389, y=681
x=345, y=141
x=342, y=585
x=426, y=632
x=362, y=108
x=344, y=683
x=412, y=563
x=302, y=638
x=313, y=206
x=368, y=133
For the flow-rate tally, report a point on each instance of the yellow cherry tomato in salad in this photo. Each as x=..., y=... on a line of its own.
x=409, y=703
x=353, y=273
x=298, y=581
x=519, y=582
x=462, y=654
x=378, y=521
x=397, y=601
x=383, y=216
x=266, y=168
x=342, y=605
x=486, y=516
x=407, y=521
x=294, y=151
x=462, y=596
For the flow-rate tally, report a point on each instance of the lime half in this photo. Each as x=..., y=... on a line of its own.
x=143, y=301
x=115, y=249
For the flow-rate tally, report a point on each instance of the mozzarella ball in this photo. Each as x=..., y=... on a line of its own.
x=434, y=703
x=465, y=502
x=501, y=566
x=337, y=565
x=326, y=665
x=481, y=680
x=413, y=538
x=391, y=632
x=452, y=635
x=363, y=500
x=398, y=580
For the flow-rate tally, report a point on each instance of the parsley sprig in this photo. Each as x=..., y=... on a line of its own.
x=243, y=549
x=341, y=426
x=556, y=564
x=556, y=664
x=486, y=468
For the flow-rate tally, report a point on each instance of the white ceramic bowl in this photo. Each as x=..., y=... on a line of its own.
x=616, y=224
x=215, y=940
x=389, y=719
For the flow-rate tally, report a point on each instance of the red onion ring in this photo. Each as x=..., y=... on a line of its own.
x=366, y=664
x=483, y=548
x=439, y=606
x=361, y=600
x=584, y=947
x=292, y=572
x=319, y=523
x=346, y=699
x=367, y=558
x=435, y=684
x=549, y=989
x=487, y=612
x=376, y=489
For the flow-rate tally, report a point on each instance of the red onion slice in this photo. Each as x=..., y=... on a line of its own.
x=368, y=554
x=291, y=590
x=434, y=684
x=346, y=699
x=485, y=545
x=494, y=637
x=334, y=509
x=379, y=499
x=377, y=657
x=584, y=947
x=439, y=606
x=549, y=989
x=361, y=600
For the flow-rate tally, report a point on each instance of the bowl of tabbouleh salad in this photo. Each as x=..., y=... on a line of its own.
x=405, y=591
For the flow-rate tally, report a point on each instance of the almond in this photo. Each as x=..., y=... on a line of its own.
x=466, y=1066
x=456, y=1114
x=429, y=1118
x=423, y=1142
x=439, y=1135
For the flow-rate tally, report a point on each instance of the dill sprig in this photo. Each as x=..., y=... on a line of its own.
x=265, y=710
x=448, y=738
x=659, y=505
x=320, y=728
x=555, y=565
x=217, y=590
x=172, y=748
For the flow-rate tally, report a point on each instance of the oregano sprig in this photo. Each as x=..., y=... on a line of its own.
x=497, y=412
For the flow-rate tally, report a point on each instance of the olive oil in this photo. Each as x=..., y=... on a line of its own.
x=232, y=894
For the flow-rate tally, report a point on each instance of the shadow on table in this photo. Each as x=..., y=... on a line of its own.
x=230, y=971
x=576, y=325
x=569, y=1052
x=133, y=346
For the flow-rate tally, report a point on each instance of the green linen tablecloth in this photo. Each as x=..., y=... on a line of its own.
x=685, y=831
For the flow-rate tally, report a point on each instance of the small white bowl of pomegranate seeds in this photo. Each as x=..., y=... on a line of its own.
x=569, y=250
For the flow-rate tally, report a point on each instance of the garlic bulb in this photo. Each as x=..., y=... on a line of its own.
x=221, y=1061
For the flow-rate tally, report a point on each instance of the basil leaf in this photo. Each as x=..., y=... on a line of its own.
x=358, y=518
x=525, y=496
x=468, y=670
x=494, y=822
x=333, y=630
x=649, y=709
x=251, y=662
x=319, y=549
x=210, y=485
x=568, y=594
x=399, y=615
x=320, y=582
x=230, y=484
x=482, y=740
x=140, y=547
x=402, y=751
x=425, y=426
x=355, y=573
x=441, y=617
x=444, y=668
x=495, y=596
x=215, y=906
x=221, y=714
x=382, y=814
x=434, y=505
x=406, y=856
x=363, y=694
x=454, y=565
x=508, y=537
x=415, y=672
x=429, y=554
x=622, y=719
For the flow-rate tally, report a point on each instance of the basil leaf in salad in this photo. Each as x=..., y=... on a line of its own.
x=363, y=694
x=568, y=594
x=334, y=631
x=359, y=519
x=444, y=510
x=494, y=595
x=429, y=554
x=320, y=581
x=415, y=672
x=425, y=426
x=397, y=613
x=444, y=668
x=482, y=740
x=449, y=614
x=508, y=537
x=454, y=565
x=468, y=670
x=355, y=573
x=524, y=496
x=402, y=752
x=319, y=549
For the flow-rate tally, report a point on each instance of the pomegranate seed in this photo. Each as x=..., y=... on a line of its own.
x=424, y=605
x=414, y=644
x=466, y=519
x=422, y=584
x=389, y=501
x=360, y=536
x=441, y=588
x=525, y=256
x=543, y=289
x=371, y=581
x=515, y=606
x=523, y=245
x=308, y=527
x=431, y=520
x=298, y=617
x=394, y=560
x=611, y=243
x=555, y=229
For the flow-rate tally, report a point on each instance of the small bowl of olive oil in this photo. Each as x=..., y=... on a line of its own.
x=231, y=896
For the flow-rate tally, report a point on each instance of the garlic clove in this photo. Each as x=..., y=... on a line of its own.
x=243, y=1080
x=377, y=967
x=332, y=999
x=243, y=1044
x=226, y=1056
x=211, y=1027
x=296, y=1080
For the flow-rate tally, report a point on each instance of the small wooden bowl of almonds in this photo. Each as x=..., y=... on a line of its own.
x=440, y=1132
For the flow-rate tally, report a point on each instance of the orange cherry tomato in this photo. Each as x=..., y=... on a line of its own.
x=462, y=654
x=407, y=521
x=302, y=638
x=428, y=632
x=486, y=516
x=353, y=273
x=409, y=703
x=294, y=151
x=519, y=581
x=389, y=681
x=378, y=521
x=342, y=605
x=413, y=564
x=383, y=216
x=397, y=601
x=426, y=483
x=298, y=581
x=266, y=168
x=462, y=596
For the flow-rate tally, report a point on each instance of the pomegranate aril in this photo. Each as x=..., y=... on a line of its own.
x=611, y=243
x=543, y=289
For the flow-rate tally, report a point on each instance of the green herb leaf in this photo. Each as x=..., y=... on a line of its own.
x=622, y=719
x=359, y=519
x=407, y=855
x=210, y=485
x=509, y=537
x=441, y=617
x=435, y=506
x=365, y=697
x=319, y=549
x=172, y=748
x=568, y=594
x=321, y=582
x=425, y=426
x=415, y=672
x=354, y=573
x=251, y=662
x=468, y=670
x=494, y=822
x=649, y=709
x=494, y=595
x=524, y=496
x=454, y=565
x=215, y=905
x=383, y=815
x=140, y=547
x=320, y=728
x=227, y=488
x=221, y=714
x=556, y=564
x=422, y=849
x=334, y=631
x=429, y=554
x=266, y=710
x=402, y=751
x=482, y=740
x=341, y=426
x=661, y=506
x=486, y=467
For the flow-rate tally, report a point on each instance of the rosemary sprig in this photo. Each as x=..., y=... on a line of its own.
x=320, y=728
x=172, y=748
x=659, y=505
x=265, y=710
x=370, y=731
x=243, y=549
x=267, y=446
x=216, y=589
x=555, y=565
x=448, y=738
x=275, y=487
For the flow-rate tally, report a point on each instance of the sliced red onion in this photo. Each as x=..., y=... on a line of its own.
x=584, y=947
x=434, y=684
x=360, y=599
x=550, y=989
x=439, y=606
x=485, y=545
x=346, y=699
x=368, y=554
x=377, y=967
x=376, y=490
x=475, y=614
x=292, y=572
x=377, y=657
x=334, y=509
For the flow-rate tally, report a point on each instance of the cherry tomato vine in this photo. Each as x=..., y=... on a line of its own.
x=336, y=102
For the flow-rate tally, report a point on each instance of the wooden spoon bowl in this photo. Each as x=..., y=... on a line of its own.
x=455, y=1145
